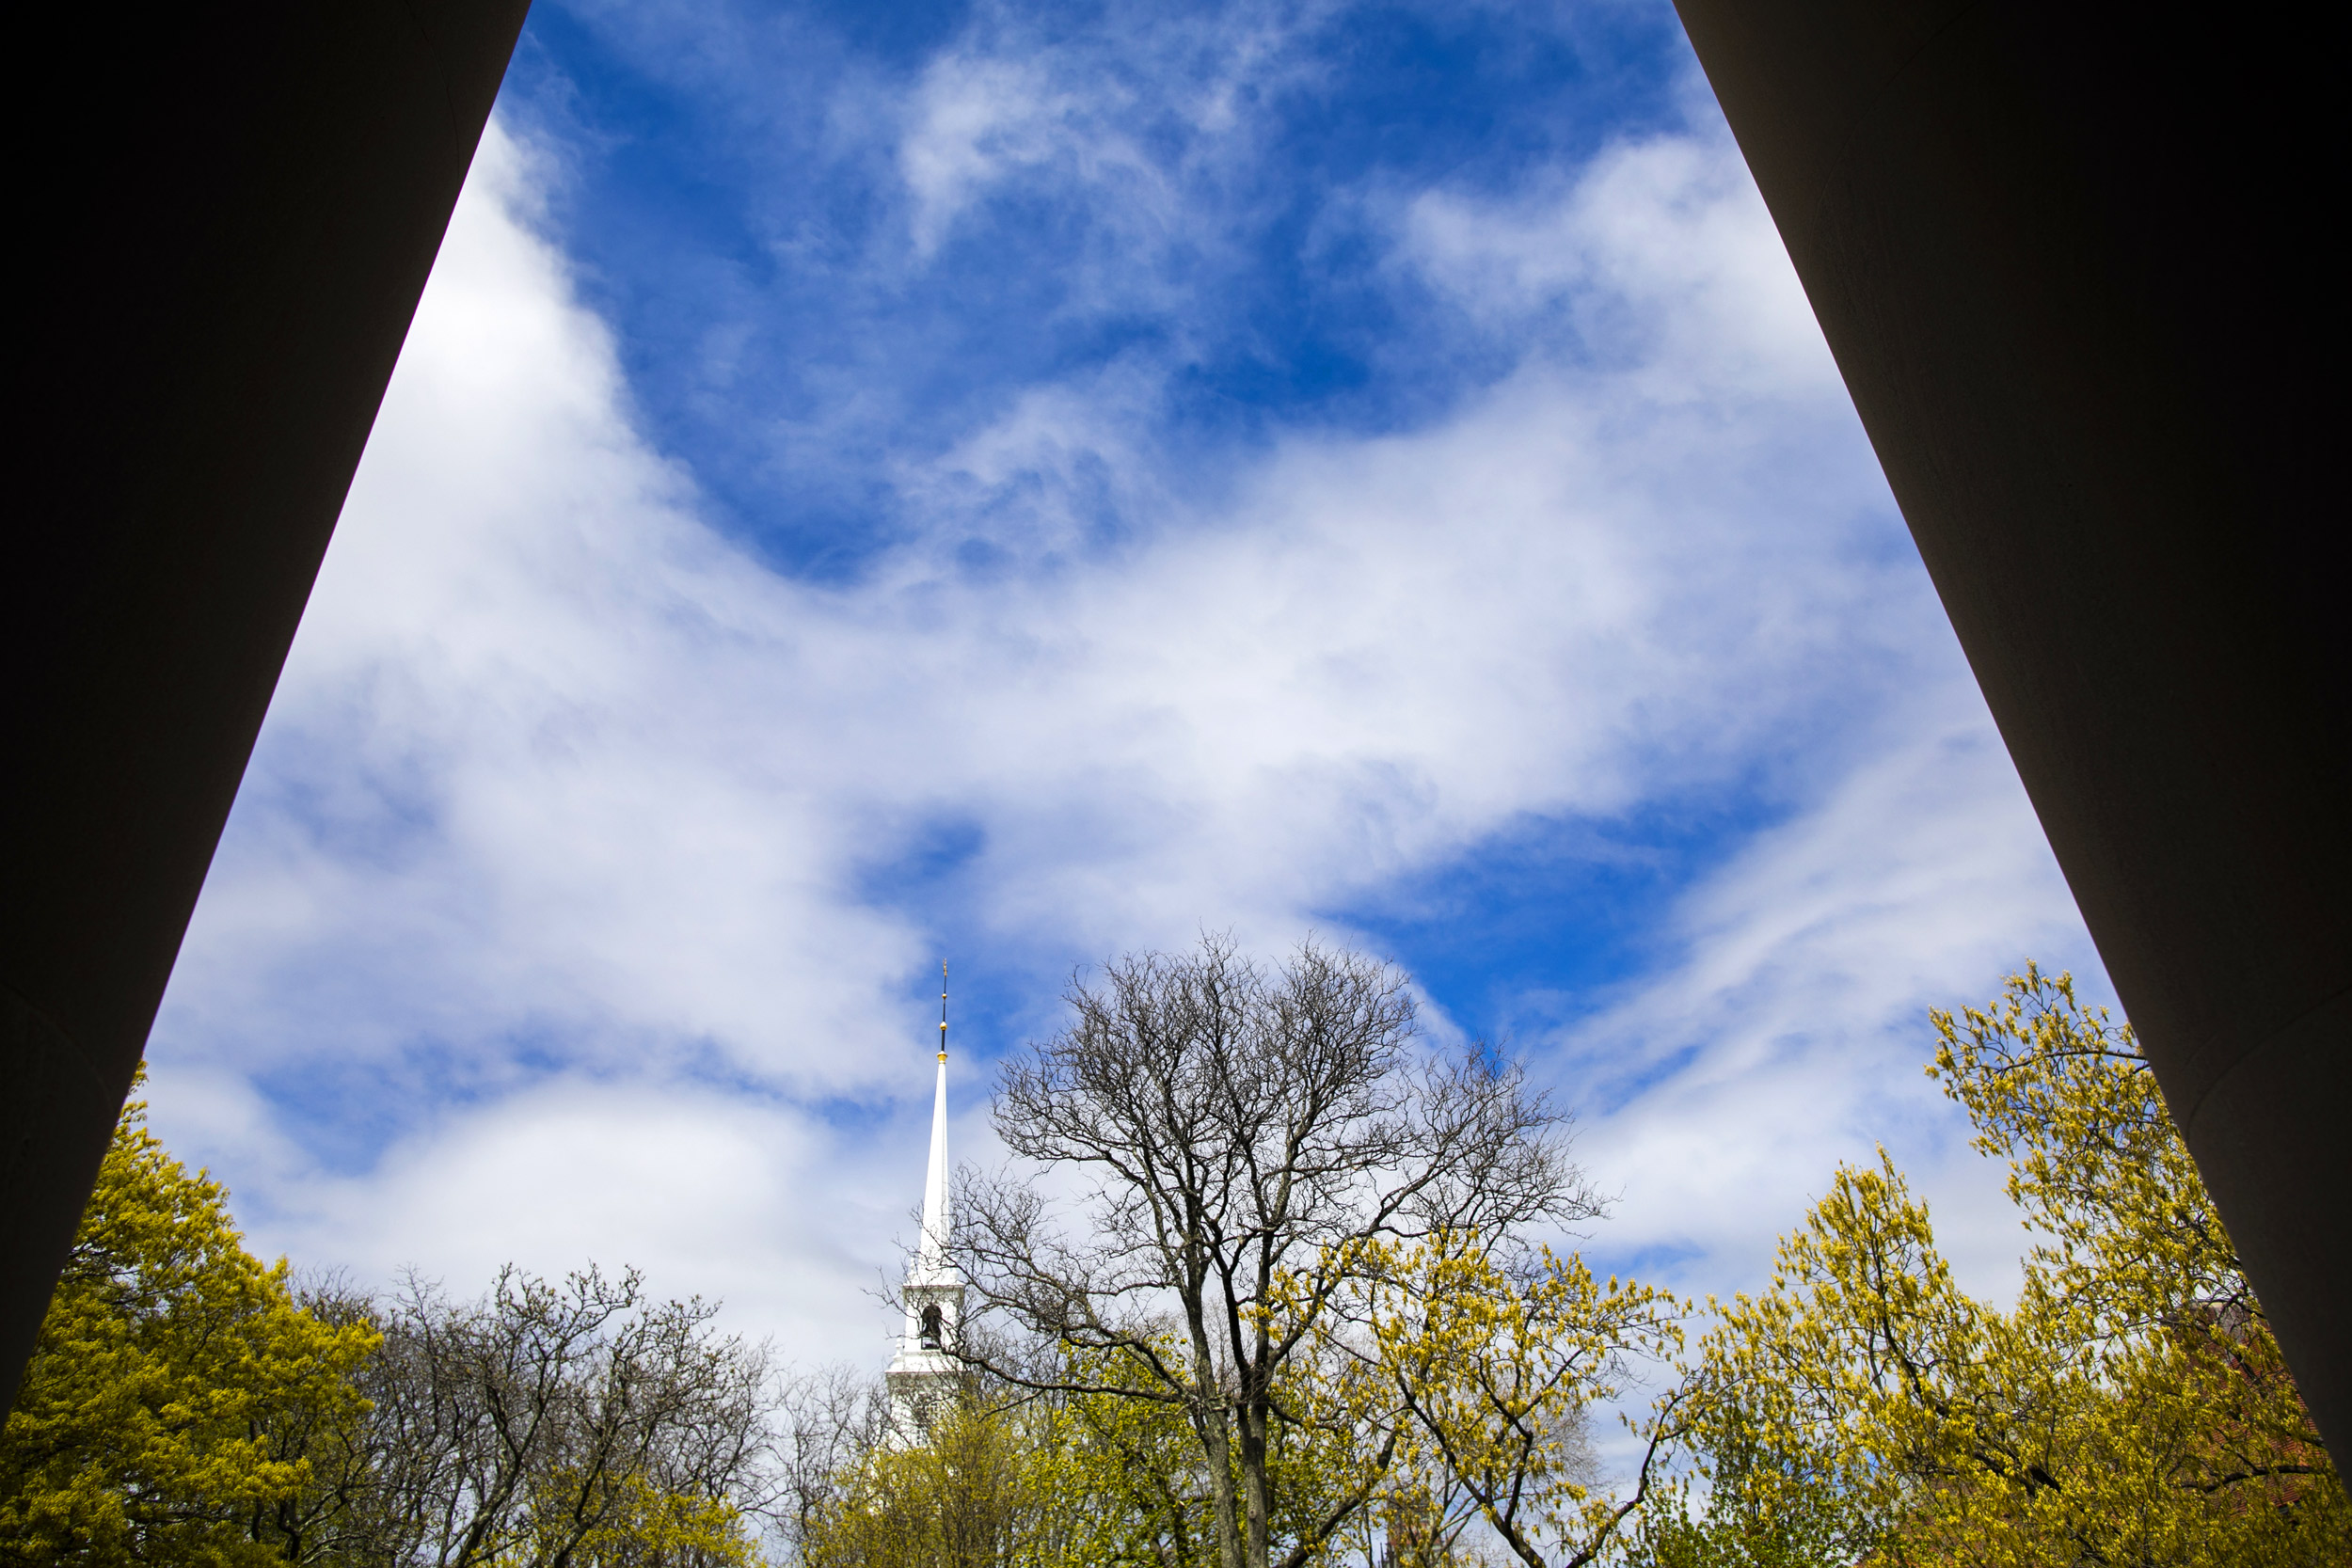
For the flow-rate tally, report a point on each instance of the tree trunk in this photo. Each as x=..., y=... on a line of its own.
x=1255, y=1489
x=1217, y=1442
x=1209, y=1411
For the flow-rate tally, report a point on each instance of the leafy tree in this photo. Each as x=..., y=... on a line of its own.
x=1044, y=1480
x=1138, y=1470
x=1140, y=1466
x=1494, y=1364
x=977, y=1493
x=157, y=1420
x=1243, y=1136
x=1770, y=1508
x=2132, y=1407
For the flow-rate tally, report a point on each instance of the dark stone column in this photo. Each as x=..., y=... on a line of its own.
x=226, y=214
x=2077, y=266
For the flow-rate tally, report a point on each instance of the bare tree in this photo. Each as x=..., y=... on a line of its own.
x=832, y=1417
x=1241, y=1135
x=542, y=1423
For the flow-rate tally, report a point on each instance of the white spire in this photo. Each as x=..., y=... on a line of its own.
x=931, y=1256
x=924, y=1373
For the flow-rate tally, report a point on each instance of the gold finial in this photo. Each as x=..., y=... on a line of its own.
x=942, y=1009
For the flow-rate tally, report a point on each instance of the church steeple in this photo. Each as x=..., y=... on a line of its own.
x=930, y=1257
x=924, y=1373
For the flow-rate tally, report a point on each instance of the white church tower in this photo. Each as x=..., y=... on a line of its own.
x=923, y=1375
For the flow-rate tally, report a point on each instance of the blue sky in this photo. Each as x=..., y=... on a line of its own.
x=1021, y=484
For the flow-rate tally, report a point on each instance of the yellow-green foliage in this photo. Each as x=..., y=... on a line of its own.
x=1128, y=1487
x=1110, y=1478
x=142, y=1429
x=1493, y=1370
x=1131, y=1485
x=2132, y=1407
x=979, y=1492
x=1453, y=1411
x=638, y=1525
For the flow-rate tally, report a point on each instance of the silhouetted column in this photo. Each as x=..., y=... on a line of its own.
x=229, y=213
x=2077, y=266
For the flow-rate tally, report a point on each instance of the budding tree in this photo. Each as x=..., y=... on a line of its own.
x=1247, y=1143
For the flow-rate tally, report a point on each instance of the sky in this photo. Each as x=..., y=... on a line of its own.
x=1019, y=485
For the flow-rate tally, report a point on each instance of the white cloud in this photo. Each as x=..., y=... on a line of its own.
x=710, y=1194
x=559, y=821
x=1660, y=255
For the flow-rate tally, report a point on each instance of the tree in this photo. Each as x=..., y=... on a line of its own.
x=151, y=1426
x=976, y=1493
x=1495, y=1362
x=1042, y=1478
x=1139, y=1466
x=2132, y=1407
x=1770, y=1507
x=1242, y=1136
x=830, y=1419
x=579, y=1423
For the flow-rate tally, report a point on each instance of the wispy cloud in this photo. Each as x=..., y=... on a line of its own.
x=1792, y=1032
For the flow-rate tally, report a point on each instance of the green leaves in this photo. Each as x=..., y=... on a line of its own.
x=1494, y=1363
x=143, y=1431
x=2130, y=1407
